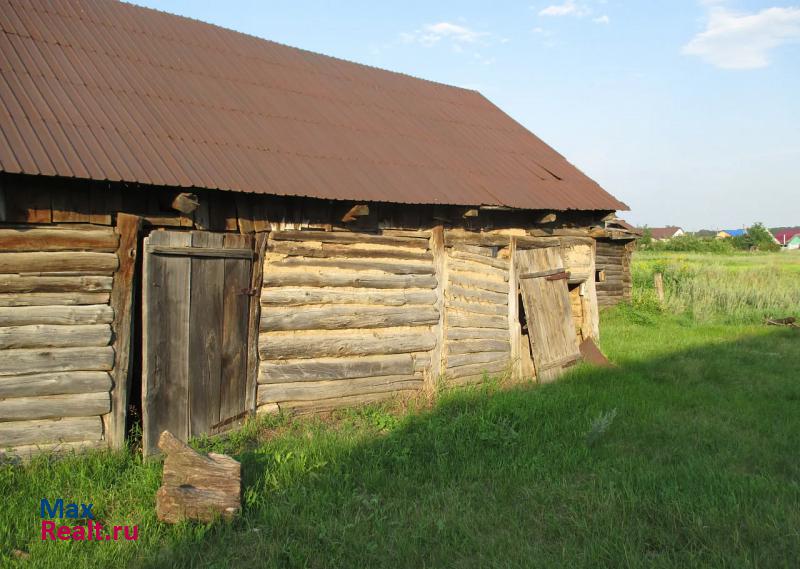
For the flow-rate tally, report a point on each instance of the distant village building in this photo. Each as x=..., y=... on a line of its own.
x=794, y=242
x=665, y=233
x=789, y=238
x=728, y=233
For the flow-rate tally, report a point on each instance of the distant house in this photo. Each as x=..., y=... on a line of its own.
x=787, y=236
x=794, y=242
x=727, y=233
x=665, y=233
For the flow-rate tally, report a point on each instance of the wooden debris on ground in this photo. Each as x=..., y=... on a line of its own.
x=789, y=321
x=592, y=354
x=196, y=487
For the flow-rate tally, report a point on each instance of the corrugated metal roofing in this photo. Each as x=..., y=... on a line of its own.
x=109, y=91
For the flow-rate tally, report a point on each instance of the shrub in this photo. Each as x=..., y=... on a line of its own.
x=692, y=244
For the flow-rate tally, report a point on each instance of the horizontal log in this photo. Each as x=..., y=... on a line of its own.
x=67, y=315
x=479, y=295
x=457, y=319
x=311, y=249
x=49, y=262
x=396, y=267
x=609, y=286
x=458, y=360
x=356, y=279
x=15, y=362
x=344, y=317
x=500, y=275
x=58, y=383
x=54, y=298
x=496, y=263
x=422, y=362
x=453, y=237
x=18, y=283
x=414, y=233
x=477, y=307
x=50, y=336
x=348, y=237
x=328, y=344
x=70, y=429
x=491, y=369
x=323, y=405
x=335, y=368
x=25, y=453
x=57, y=240
x=470, y=346
x=477, y=334
x=52, y=406
x=576, y=277
x=313, y=390
x=380, y=297
x=486, y=252
x=466, y=281
x=528, y=242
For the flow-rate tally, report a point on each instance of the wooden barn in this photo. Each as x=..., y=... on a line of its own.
x=196, y=224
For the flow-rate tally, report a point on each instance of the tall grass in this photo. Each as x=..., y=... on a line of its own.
x=736, y=289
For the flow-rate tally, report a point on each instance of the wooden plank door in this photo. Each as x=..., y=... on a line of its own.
x=196, y=301
x=548, y=312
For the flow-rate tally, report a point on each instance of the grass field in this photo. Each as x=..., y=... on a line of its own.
x=684, y=455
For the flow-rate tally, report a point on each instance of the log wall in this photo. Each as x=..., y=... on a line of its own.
x=345, y=318
x=614, y=260
x=56, y=352
x=350, y=311
x=477, y=338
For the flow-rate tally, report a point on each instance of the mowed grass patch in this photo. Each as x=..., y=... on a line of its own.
x=683, y=455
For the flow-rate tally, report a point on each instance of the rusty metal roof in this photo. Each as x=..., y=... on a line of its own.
x=103, y=90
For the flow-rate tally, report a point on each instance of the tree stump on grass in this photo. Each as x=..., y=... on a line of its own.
x=196, y=487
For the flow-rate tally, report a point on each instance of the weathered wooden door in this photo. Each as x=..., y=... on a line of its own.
x=545, y=297
x=196, y=299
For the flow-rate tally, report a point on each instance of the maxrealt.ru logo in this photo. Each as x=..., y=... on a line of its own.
x=91, y=531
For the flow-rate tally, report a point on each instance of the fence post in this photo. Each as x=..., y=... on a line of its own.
x=658, y=281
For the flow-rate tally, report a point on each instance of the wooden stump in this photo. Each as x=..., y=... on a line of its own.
x=196, y=487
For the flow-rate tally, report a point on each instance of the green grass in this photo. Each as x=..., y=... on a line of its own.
x=738, y=288
x=685, y=455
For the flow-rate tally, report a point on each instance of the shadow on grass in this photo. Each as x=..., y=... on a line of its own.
x=698, y=466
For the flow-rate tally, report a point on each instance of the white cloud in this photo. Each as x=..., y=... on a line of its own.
x=735, y=40
x=568, y=8
x=604, y=19
x=433, y=34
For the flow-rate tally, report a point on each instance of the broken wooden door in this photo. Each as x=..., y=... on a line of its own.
x=545, y=296
x=196, y=299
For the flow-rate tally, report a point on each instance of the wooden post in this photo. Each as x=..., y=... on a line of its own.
x=254, y=322
x=514, y=326
x=437, y=365
x=658, y=281
x=128, y=227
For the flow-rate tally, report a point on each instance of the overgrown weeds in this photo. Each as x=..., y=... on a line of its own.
x=738, y=289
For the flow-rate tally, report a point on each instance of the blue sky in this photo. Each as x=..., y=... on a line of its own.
x=687, y=110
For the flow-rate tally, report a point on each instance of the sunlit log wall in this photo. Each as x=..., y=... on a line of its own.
x=345, y=318
x=56, y=341
x=477, y=338
x=351, y=309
